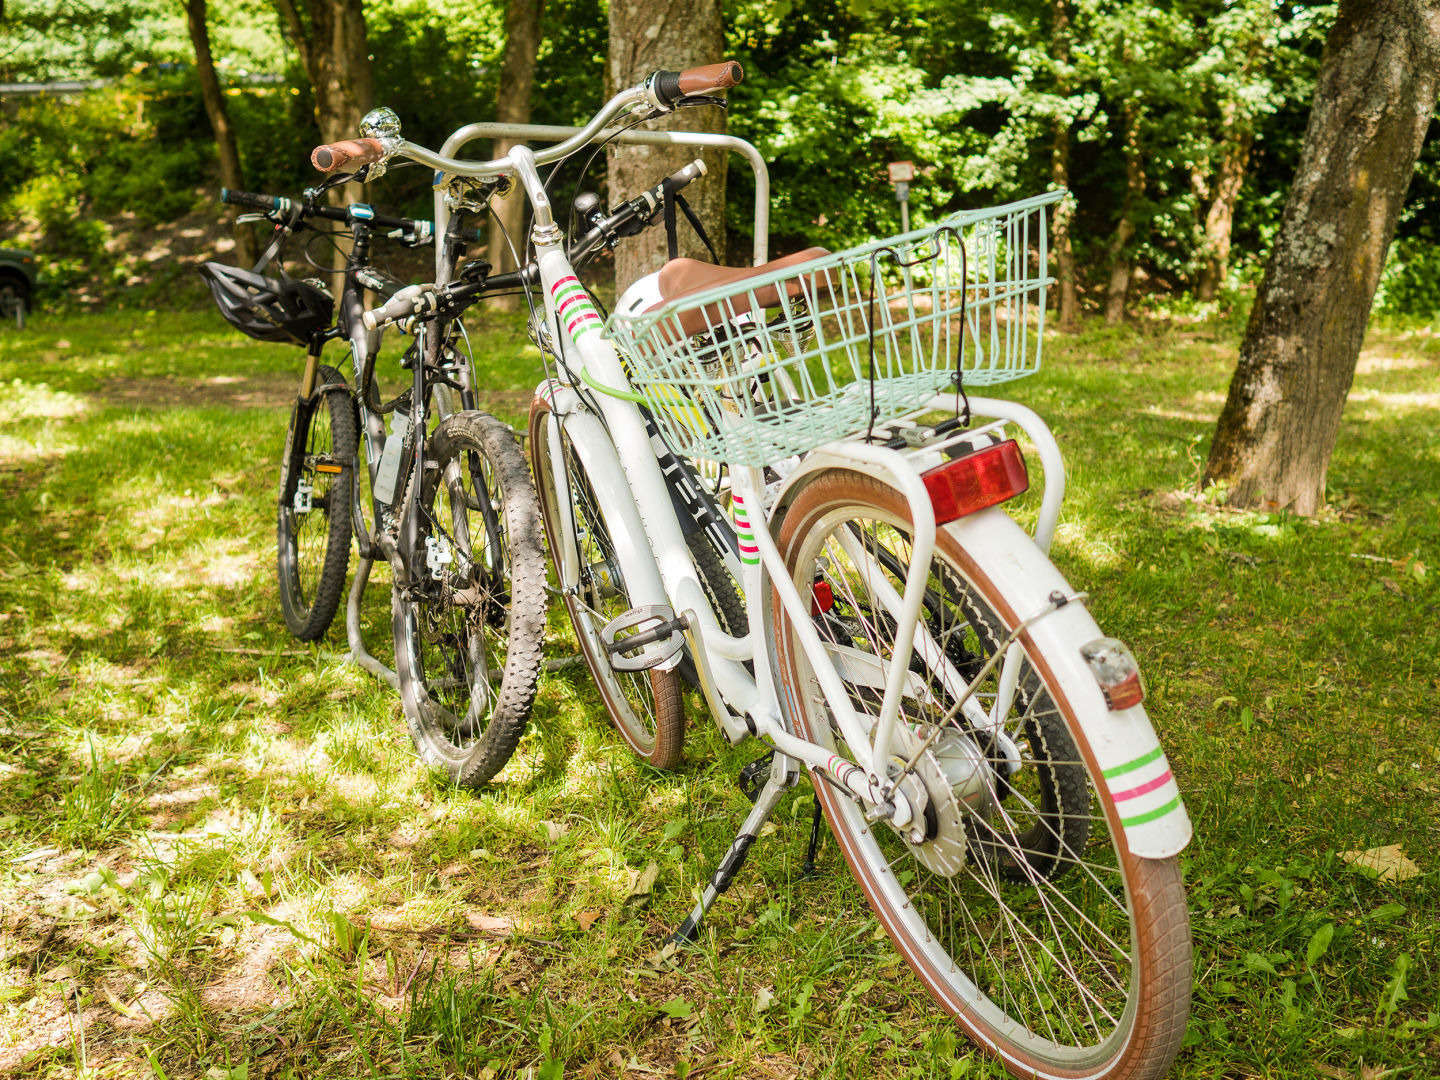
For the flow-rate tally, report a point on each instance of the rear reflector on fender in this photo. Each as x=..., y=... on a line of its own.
x=985, y=478
x=1117, y=673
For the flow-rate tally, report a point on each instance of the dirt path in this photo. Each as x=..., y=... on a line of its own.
x=246, y=392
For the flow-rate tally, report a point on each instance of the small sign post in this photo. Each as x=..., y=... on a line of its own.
x=901, y=173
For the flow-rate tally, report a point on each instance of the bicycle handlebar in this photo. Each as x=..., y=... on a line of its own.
x=630, y=219
x=634, y=215
x=254, y=201
x=411, y=300
x=352, y=152
x=416, y=231
x=655, y=95
x=671, y=86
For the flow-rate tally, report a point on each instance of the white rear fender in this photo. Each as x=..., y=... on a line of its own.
x=1130, y=767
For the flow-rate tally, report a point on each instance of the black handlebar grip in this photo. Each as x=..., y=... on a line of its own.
x=666, y=87
x=252, y=200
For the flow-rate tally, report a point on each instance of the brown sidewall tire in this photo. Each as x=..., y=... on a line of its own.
x=1160, y=921
x=667, y=748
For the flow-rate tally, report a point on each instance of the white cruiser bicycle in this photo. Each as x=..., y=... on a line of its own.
x=864, y=604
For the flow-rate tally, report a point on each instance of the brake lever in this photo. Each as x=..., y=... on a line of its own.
x=335, y=180
x=695, y=100
x=246, y=219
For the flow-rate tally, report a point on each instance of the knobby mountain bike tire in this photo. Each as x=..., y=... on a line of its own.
x=1023, y=911
x=646, y=706
x=313, y=532
x=470, y=626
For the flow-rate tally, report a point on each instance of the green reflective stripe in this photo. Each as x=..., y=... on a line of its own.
x=1151, y=815
x=561, y=294
x=584, y=328
x=1131, y=766
x=614, y=391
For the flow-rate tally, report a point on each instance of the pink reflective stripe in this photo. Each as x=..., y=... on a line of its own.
x=563, y=281
x=1144, y=789
x=573, y=298
x=580, y=319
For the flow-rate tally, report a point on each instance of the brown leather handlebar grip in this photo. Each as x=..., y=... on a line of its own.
x=712, y=77
x=354, y=152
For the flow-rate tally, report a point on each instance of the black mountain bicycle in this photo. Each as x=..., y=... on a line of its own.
x=452, y=508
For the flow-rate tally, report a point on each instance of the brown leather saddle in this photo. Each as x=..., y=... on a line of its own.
x=680, y=278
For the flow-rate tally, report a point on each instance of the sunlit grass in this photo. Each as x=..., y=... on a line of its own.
x=217, y=851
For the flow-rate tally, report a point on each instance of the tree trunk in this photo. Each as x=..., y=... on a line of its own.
x=1376, y=93
x=675, y=35
x=1069, y=313
x=230, y=174
x=330, y=37
x=1121, y=258
x=512, y=106
x=1220, y=218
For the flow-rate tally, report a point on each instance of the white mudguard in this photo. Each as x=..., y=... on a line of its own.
x=1134, y=774
x=1131, y=768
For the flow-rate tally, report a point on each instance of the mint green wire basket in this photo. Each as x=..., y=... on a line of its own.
x=780, y=364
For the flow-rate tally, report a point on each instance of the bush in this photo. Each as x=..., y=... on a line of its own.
x=1411, y=282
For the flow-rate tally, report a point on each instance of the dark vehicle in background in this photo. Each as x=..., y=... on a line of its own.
x=17, y=284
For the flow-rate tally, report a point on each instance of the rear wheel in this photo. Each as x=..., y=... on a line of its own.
x=646, y=706
x=470, y=626
x=316, y=493
x=1022, y=909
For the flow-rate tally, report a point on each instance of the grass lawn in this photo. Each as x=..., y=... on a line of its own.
x=219, y=858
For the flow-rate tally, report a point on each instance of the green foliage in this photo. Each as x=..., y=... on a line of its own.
x=1411, y=282
x=976, y=94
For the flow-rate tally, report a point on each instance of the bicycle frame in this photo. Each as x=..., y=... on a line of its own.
x=622, y=465
x=364, y=346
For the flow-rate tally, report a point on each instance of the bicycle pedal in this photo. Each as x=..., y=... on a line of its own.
x=644, y=637
x=753, y=776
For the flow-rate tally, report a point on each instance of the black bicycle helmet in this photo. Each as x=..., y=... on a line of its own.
x=268, y=308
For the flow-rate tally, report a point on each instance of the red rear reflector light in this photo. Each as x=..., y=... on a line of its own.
x=985, y=478
x=823, y=598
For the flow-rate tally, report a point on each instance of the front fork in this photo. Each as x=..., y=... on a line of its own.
x=291, y=494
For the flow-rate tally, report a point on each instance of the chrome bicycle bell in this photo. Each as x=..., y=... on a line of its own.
x=381, y=123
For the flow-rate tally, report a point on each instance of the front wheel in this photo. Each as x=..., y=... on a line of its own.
x=646, y=706
x=470, y=625
x=1021, y=907
x=316, y=492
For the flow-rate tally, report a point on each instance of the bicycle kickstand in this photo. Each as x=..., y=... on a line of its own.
x=784, y=771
